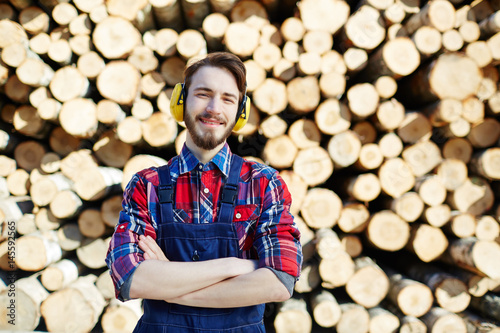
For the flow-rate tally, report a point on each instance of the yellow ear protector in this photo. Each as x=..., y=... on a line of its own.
x=177, y=107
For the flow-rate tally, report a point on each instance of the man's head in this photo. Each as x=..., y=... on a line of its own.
x=213, y=92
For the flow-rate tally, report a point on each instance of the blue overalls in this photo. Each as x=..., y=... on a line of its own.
x=192, y=242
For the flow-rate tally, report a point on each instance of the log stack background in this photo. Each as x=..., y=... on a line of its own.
x=381, y=115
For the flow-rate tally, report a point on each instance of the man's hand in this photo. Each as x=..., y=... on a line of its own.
x=151, y=248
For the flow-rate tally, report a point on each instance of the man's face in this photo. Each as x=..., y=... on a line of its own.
x=211, y=107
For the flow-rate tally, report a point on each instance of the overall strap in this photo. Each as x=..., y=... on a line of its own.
x=230, y=190
x=165, y=194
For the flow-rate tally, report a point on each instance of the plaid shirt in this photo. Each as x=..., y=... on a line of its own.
x=264, y=225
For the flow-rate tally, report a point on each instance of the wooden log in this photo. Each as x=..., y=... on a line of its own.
x=327, y=243
x=474, y=196
x=129, y=130
x=292, y=29
x=437, y=216
x=431, y=189
x=45, y=189
x=443, y=111
x=92, y=252
x=34, y=20
x=69, y=237
x=66, y=204
x=364, y=187
x=477, y=285
x=363, y=107
x=354, y=318
x=119, y=82
x=487, y=228
x=38, y=250
x=49, y=109
x=7, y=12
x=324, y=15
x=309, y=64
x=332, y=117
x=440, y=320
x=390, y=145
x=28, y=154
x=452, y=40
x=409, y=206
x=449, y=292
x=138, y=163
x=370, y=157
x=325, y=309
x=111, y=151
x=412, y=297
x=110, y=210
x=461, y=225
x=382, y=320
x=479, y=52
x=487, y=305
x=78, y=117
x=396, y=177
x=280, y=152
x=369, y=285
x=475, y=255
x=353, y=217
x=24, y=297
x=304, y=133
x=18, y=182
x=476, y=323
x=387, y=231
x=95, y=183
x=487, y=89
x=214, y=27
x=159, y=130
x=62, y=142
x=452, y=173
x=284, y=70
x=344, y=148
x=427, y=242
x=115, y=37
x=293, y=315
x=68, y=83
x=61, y=313
x=422, y=157
x=437, y=80
x=389, y=115
x=241, y=39
x=311, y=278
x=121, y=316
x=458, y=148
x=307, y=241
x=321, y=208
x=191, y=44
x=152, y=85
x=60, y=274
x=105, y=285
x=27, y=121
x=414, y=127
x=26, y=224
x=303, y=94
x=364, y=29
x=91, y=224
x=45, y=220
x=485, y=133
x=7, y=165
x=336, y=270
x=314, y=165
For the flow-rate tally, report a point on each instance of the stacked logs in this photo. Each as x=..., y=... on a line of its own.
x=381, y=116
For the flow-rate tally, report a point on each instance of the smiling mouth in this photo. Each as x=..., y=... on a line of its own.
x=211, y=122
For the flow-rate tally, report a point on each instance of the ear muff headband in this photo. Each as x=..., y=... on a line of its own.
x=177, y=107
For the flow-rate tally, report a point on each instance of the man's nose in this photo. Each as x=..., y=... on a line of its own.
x=214, y=105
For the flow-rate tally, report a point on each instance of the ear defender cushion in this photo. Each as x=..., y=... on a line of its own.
x=177, y=102
x=244, y=114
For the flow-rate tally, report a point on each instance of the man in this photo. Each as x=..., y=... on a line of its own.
x=207, y=239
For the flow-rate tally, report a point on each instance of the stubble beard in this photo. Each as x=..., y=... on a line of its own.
x=206, y=140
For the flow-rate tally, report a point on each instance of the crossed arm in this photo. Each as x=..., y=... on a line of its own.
x=224, y=282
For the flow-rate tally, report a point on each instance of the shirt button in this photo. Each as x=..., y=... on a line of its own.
x=200, y=166
x=206, y=190
x=238, y=215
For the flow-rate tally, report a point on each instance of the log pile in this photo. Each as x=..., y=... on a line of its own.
x=382, y=116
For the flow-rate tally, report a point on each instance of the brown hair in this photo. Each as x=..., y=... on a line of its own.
x=224, y=60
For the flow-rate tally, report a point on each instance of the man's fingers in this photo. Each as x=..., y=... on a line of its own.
x=151, y=248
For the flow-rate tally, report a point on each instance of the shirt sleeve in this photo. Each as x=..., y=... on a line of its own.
x=277, y=238
x=124, y=254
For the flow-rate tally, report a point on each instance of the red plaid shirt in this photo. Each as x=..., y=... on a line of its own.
x=265, y=227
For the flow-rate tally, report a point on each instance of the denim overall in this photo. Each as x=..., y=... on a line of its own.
x=192, y=242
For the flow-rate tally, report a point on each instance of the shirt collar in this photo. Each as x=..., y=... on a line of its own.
x=187, y=161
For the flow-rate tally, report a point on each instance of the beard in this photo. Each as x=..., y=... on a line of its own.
x=207, y=140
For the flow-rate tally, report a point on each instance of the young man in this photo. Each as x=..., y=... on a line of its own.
x=207, y=239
